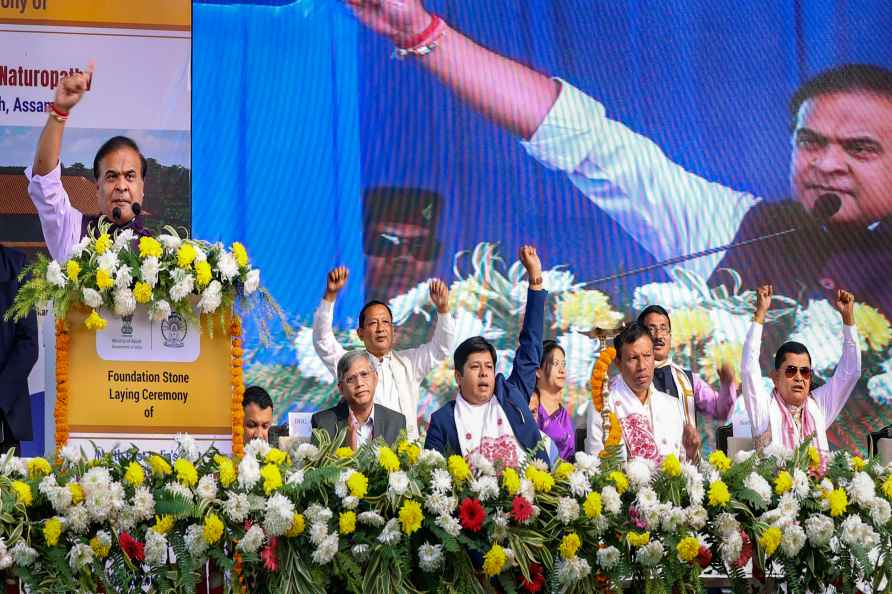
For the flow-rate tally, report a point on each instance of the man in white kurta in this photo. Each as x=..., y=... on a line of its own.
x=792, y=412
x=401, y=372
x=652, y=422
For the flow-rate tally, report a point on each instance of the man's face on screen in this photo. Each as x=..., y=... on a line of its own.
x=398, y=257
x=842, y=144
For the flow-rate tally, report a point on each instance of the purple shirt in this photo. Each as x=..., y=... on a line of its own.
x=560, y=428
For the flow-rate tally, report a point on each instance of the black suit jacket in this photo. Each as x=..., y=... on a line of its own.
x=18, y=351
x=387, y=424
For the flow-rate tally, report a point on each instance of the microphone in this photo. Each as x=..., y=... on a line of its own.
x=136, y=208
x=825, y=207
x=116, y=213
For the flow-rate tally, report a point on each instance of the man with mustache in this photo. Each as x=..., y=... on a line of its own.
x=793, y=411
x=693, y=394
x=119, y=169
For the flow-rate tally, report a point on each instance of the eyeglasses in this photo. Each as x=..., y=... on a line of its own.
x=353, y=380
x=790, y=371
x=389, y=245
x=657, y=330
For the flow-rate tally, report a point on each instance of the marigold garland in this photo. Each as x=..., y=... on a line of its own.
x=238, y=385
x=599, y=378
x=60, y=412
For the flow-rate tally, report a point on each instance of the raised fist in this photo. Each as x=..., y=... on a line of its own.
x=71, y=88
x=530, y=260
x=845, y=305
x=398, y=20
x=440, y=295
x=337, y=278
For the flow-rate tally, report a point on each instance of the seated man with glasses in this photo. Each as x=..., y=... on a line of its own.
x=793, y=412
x=357, y=411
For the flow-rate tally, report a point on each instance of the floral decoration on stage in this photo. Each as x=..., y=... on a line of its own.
x=401, y=519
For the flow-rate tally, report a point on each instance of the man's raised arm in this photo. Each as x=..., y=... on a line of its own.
x=325, y=343
x=510, y=94
x=529, y=354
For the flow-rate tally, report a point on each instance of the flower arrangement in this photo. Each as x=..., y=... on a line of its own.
x=402, y=519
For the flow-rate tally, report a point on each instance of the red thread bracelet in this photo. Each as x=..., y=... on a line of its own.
x=58, y=111
x=422, y=38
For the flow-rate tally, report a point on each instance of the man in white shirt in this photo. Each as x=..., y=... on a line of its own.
x=400, y=373
x=793, y=411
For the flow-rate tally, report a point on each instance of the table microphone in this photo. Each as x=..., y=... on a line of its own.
x=136, y=208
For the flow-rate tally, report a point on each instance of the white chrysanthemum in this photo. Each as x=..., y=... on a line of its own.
x=200, y=255
x=879, y=512
x=862, y=489
x=731, y=547
x=438, y=504
x=279, y=515
x=481, y=464
x=211, y=297
x=252, y=539
x=155, y=549
x=486, y=487
x=23, y=554
x=793, y=540
x=186, y=447
x=777, y=451
x=143, y=503
x=430, y=557
x=79, y=556
x=743, y=455
x=610, y=500
x=647, y=499
x=159, y=310
x=122, y=239
x=60, y=499
x=581, y=353
x=350, y=502
x=326, y=550
x=587, y=463
x=170, y=242
x=252, y=281
x=650, y=554
x=149, y=270
x=318, y=513
x=694, y=483
x=726, y=523
x=800, y=484
x=819, y=327
x=109, y=262
x=97, y=478
x=500, y=525
x=441, y=481
x=295, y=477
x=639, y=472
x=125, y=302
x=340, y=488
x=73, y=454
x=654, y=514
x=182, y=288
x=54, y=275
x=431, y=458
x=608, y=557
x=182, y=491
x=317, y=533
x=755, y=482
x=697, y=516
x=123, y=278
x=672, y=295
x=91, y=297
x=527, y=490
x=449, y=524
x=77, y=519
x=788, y=509
x=227, y=266
x=257, y=447
x=248, y=472
x=207, y=487
x=78, y=250
x=195, y=542
x=361, y=552
x=579, y=484
x=237, y=507
x=819, y=529
x=397, y=483
x=370, y=518
x=855, y=533
x=307, y=452
x=567, y=510
x=390, y=535
x=573, y=570
x=673, y=519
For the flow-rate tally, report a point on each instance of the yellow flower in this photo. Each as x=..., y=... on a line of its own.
x=770, y=540
x=159, y=465
x=149, y=247
x=240, y=254
x=690, y=325
x=134, y=475
x=52, y=530
x=411, y=516
x=410, y=451
x=103, y=242
x=718, y=355
x=213, y=528
x=358, y=484
x=95, y=322
x=688, y=548
x=22, y=492
x=226, y=469
x=347, y=523
x=297, y=526
x=585, y=309
x=541, y=479
x=72, y=268
x=186, y=255
x=104, y=279
x=38, y=468
x=671, y=466
x=387, y=459
x=638, y=539
x=838, y=501
x=720, y=461
x=203, y=273
x=77, y=493
x=592, y=505
x=272, y=478
x=814, y=457
x=858, y=463
x=142, y=292
x=163, y=524
x=783, y=482
x=99, y=547
x=275, y=456
x=186, y=473
x=569, y=545
x=511, y=481
x=563, y=470
x=719, y=496
x=873, y=327
x=344, y=453
x=458, y=468
x=494, y=561
x=887, y=487
x=619, y=480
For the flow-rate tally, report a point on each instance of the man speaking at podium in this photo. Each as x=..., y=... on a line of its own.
x=119, y=169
